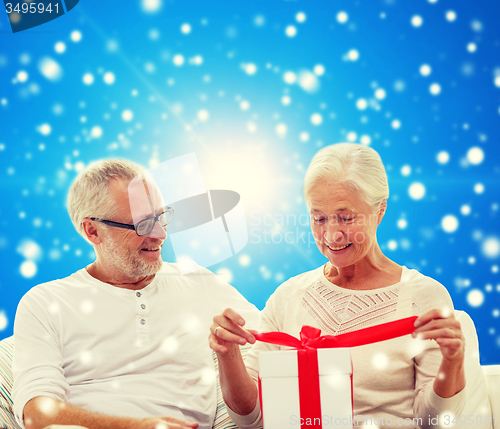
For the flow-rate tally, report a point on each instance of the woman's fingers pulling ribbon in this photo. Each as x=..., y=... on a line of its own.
x=440, y=325
x=227, y=332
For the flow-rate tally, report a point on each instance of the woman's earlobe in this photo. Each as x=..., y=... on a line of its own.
x=381, y=210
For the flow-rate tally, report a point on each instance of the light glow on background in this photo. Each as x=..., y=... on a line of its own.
x=249, y=169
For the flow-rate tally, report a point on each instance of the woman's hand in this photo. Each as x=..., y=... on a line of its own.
x=440, y=325
x=226, y=335
x=227, y=332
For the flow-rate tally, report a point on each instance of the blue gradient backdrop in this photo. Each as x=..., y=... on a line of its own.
x=255, y=88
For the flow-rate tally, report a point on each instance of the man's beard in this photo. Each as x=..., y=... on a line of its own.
x=127, y=262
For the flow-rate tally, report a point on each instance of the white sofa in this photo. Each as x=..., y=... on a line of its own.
x=492, y=373
x=483, y=384
x=7, y=420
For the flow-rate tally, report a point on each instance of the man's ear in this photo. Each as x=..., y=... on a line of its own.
x=381, y=210
x=90, y=231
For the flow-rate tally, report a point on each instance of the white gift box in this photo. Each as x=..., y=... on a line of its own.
x=279, y=376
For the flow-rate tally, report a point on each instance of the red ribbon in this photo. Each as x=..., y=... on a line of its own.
x=307, y=357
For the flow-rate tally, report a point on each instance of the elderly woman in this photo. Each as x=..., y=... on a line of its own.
x=346, y=193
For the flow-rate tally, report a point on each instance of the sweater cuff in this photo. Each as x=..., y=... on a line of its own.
x=248, y=421
x=449, y=403
x=454, y=404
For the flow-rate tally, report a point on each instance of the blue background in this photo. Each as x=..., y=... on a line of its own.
x=131, y=80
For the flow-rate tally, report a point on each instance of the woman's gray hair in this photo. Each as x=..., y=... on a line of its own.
x=353, y=165
x=89, y=194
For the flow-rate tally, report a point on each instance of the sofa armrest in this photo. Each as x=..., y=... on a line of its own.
x=6, y=379
x=492, y=374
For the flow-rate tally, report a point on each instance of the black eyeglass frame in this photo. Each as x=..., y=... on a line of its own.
x=165, y=209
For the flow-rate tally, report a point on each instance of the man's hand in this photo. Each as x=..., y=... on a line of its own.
x=165, y=423
x=42, y=411
x=227, y=332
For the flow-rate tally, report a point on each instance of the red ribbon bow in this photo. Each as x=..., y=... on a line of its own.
x=307, y=357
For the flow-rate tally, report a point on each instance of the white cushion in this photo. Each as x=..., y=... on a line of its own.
x=478, y=404
x=492, y=373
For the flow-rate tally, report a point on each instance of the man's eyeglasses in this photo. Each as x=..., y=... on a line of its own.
x=145, y=226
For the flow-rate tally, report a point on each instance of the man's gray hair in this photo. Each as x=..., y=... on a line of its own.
x=89, y=194
x=355, y=166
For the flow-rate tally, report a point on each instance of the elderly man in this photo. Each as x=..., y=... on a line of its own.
x=122, y=342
